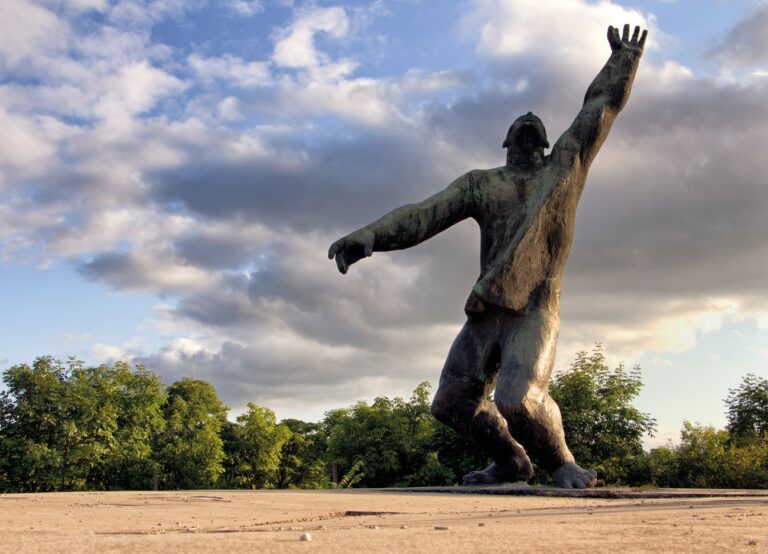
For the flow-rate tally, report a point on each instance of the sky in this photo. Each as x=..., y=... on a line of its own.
x=172, y=173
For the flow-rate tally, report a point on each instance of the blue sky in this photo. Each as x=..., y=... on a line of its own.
x=172, y=172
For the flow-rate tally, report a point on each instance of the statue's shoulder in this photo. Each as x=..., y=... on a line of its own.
x=478, y=176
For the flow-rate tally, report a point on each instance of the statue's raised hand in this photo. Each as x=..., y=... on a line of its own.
x=634, y=45
x=355, y=246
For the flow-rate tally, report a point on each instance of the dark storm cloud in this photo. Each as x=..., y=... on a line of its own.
x=341, y=180
x=747, y=43
x=122, y=270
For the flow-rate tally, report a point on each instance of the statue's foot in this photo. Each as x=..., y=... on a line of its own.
x=496, y=474
x=571, y=476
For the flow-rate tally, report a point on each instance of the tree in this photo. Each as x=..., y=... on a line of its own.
x=253, y=448
x=702, y=456
x=36, y=433
x=139, y=397
x=190, y=448
x=748, y=408
x=67, y=426
x=391, y=437
x=604, y=430
x=302, y=463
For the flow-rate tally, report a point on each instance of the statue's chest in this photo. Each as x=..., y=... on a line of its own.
x=503, y=197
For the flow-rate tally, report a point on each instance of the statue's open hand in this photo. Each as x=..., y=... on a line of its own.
x=634, y=44
x=355, y=246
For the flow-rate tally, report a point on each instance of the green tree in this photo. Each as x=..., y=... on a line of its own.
x=36, y=433
x=663, y=467
x=253, y=447
x=604, y=430
x=139, y=397
x=748, y=408
x=302, y=463
x=67, y=426
x=703, y=456
x=190, y=448
x=391, y=437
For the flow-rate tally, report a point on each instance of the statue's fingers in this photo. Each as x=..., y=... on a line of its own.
x=636, y=34
x=641, y=44
x=625, y=33
x=333, y=249
x=341, y=262
x=614, y=37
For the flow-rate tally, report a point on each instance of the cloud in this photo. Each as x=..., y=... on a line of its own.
x=29, y=31
x=235, y=71
x=746, y=45
x=295, y=44
x=509, y=28
x=245, y=8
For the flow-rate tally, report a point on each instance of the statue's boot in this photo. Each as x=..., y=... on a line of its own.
x=496, y=474
x=572, y=476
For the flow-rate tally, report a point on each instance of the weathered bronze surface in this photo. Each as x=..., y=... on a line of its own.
x=526, y=211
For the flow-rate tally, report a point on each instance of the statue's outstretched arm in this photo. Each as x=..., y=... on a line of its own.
x=406, y=226
x=605, y=97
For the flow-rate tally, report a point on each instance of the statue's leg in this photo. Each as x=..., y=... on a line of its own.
x=527, y=357
x=460, y=402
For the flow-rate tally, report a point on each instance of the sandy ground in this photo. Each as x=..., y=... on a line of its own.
x=367, y=522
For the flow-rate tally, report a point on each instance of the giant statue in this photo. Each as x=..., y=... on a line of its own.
x=526, y=211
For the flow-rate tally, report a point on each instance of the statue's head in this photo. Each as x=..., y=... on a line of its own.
x=526, y=138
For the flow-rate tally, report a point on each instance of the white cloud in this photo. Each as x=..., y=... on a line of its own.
x=235, y=71
x=245, y=8
x=295, y=44
x=134, y=89
x=29, y=31
x=568, y=33
x=27, y=147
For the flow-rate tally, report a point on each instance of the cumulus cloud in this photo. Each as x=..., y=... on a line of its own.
x=29, y=30
x=295, y=44
x=233, y=70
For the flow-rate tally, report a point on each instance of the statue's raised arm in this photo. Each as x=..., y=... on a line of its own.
x=605, y=98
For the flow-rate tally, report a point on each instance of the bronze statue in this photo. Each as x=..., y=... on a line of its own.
x=526, y=211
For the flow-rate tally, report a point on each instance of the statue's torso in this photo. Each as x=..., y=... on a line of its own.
x=526, y=224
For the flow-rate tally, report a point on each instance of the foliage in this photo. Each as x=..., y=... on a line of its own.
x=66, y=426
x=190, y=449
x=254, y=449
x=353, y=476
x=302, y=463
x=604, y=430
x=708, y=457
x=748, y=408
x=391, y=437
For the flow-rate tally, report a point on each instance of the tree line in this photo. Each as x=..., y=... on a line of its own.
x=65, y=426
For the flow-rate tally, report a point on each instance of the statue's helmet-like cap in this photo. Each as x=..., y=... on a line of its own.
x=529, y=124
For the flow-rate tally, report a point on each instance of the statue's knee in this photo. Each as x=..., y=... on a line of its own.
x=520, y=405
x=454, y=412
x=442, y=410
